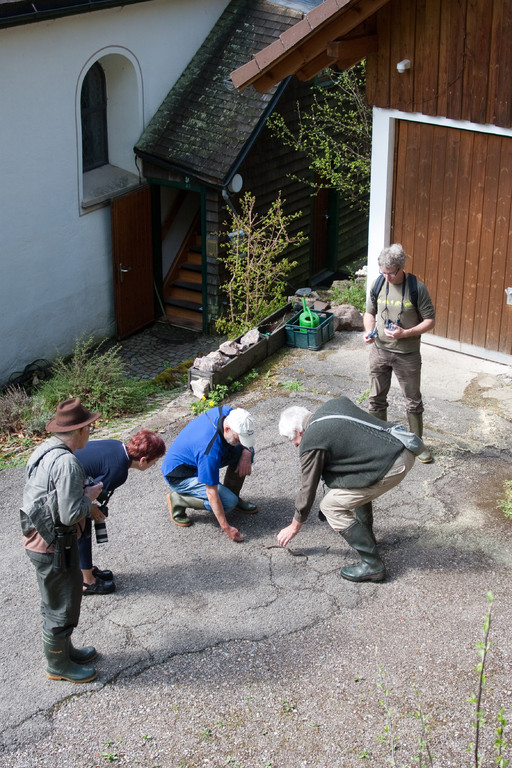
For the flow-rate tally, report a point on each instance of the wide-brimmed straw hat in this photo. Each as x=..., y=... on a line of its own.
x=71, y=414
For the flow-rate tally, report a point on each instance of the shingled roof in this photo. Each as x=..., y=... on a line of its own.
x=204, y=128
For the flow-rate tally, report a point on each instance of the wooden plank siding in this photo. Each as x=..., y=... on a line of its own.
x=271, y=167
x=452, y=212
x=461, y=59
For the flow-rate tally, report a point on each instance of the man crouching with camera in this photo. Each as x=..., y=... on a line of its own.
x=108, y=461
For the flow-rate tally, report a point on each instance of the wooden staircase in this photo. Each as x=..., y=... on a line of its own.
x=183, y=286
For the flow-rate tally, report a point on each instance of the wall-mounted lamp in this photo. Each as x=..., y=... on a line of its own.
x=236, y=184
x=403, y=65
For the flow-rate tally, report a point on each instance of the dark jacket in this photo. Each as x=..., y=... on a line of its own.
x=342, y=453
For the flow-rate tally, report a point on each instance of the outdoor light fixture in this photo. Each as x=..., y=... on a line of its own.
x=236, y=183
x=403, y=65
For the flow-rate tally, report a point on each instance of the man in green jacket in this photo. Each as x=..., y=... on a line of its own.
x=357, y=463
x=56, y=501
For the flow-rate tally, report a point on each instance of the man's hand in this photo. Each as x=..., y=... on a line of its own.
x=93, y=491
x=396, y=332
x=233, y=533
x=96, y=513
x=244, y=466
x=212, y=491
x=286, y=535
x=370, y=328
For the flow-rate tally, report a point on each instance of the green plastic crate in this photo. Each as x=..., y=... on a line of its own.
x=310, y=338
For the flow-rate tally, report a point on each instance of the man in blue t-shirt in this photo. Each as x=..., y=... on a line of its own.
x=220, y=437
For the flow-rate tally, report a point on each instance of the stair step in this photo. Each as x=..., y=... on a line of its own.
x=192, y=295
x=184, y=284
x=188, y=265
x=194, y=257
x=191, y=306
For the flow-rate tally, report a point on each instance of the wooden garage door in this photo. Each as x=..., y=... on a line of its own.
x=452, y=211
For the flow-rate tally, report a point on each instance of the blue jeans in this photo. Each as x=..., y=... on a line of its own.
x=190, y=486
x=85, y=546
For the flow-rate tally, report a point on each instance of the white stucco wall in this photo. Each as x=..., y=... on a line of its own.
x=55, y=261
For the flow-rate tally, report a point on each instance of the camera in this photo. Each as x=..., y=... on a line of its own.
x=390, y=325
x=100, y=529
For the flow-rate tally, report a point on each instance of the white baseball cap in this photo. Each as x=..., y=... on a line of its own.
x=241, y=422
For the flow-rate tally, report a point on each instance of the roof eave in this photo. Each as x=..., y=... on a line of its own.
x=302, y=49
x=209, y=181
x=19, y=13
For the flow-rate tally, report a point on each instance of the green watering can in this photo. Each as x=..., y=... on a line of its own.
x=307, y=318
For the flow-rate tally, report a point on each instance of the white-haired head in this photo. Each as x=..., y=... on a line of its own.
x=292, y=419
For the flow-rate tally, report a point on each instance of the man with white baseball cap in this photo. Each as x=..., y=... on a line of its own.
x=220, y=437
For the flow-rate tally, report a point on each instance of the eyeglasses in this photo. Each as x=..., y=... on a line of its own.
x=390, y=274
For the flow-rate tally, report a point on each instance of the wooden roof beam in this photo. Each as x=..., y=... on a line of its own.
x=306, y=40
x=342, y=54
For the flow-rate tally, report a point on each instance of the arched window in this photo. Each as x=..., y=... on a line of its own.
x=93, y=105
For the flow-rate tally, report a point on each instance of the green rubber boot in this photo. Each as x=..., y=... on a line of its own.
x=382, y=415
x=177, y=506
x=234, y=482
x=193, y=502
x=82, y=655
x=364, y=515
x=416, y=425
x=60, y=665
x=371, y=567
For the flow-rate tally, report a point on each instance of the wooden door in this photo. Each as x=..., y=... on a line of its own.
x=320, y=257
x=132, y=259
x=452, y=212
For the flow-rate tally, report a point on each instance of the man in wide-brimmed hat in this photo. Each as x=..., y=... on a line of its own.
x=56, y=502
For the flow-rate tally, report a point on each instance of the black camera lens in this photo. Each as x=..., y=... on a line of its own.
x=100, y=530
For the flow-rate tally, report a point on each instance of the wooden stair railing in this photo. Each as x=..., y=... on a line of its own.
x=183, y=286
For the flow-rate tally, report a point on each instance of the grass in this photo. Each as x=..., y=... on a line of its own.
x=505, y=504
x=94, y=373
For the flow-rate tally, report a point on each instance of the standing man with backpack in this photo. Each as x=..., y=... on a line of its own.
x=398, y=310
x=56, y=502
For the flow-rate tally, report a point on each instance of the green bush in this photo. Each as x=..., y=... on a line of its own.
x=353, y=293
x=97, y=377
x=219, y=393
x=255, y=265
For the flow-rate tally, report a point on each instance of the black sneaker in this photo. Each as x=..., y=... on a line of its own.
x=99, y=588
x=103, y=575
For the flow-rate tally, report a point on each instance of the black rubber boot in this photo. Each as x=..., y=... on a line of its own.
x=371, y=567
x=60, y=666
x=364, y=515
x=234, y=482
x=416, y=425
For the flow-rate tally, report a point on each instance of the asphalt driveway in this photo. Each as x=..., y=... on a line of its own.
x=215, y=653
